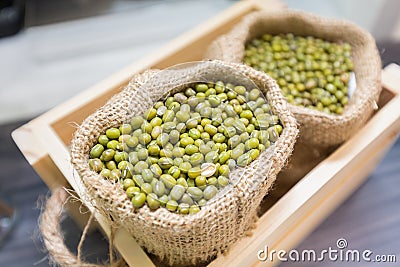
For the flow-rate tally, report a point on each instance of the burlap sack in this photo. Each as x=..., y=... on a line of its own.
x=316, y=127
x=175, y=238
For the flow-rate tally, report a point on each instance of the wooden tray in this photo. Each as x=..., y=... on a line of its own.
x=44, y=142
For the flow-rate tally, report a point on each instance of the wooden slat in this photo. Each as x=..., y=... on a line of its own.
x=391, y=78
x=33, y=150
x=188, y=47
x=297, y=213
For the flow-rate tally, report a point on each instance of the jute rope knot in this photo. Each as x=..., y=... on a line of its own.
x=54, y=241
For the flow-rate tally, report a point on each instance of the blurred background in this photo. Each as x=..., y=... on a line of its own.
x=52, y=49
x=66, y=46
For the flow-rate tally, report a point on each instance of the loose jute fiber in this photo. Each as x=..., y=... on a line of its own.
x=184, y=239
x=316, y=127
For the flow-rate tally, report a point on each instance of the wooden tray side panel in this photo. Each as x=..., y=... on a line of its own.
x=303, y=207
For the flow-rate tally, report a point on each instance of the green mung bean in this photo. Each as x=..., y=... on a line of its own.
x=181, y=151
x=311, y=72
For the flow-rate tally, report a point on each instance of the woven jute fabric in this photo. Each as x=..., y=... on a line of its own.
x=316, y=127
x=184, y=239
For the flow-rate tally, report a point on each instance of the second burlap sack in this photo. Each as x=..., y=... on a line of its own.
x=316, y=128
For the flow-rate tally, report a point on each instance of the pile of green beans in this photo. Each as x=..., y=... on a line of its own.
x=180, y=152
x=311, y=72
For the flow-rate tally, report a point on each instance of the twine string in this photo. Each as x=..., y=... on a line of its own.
x=84, y=233
x=54, y=240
